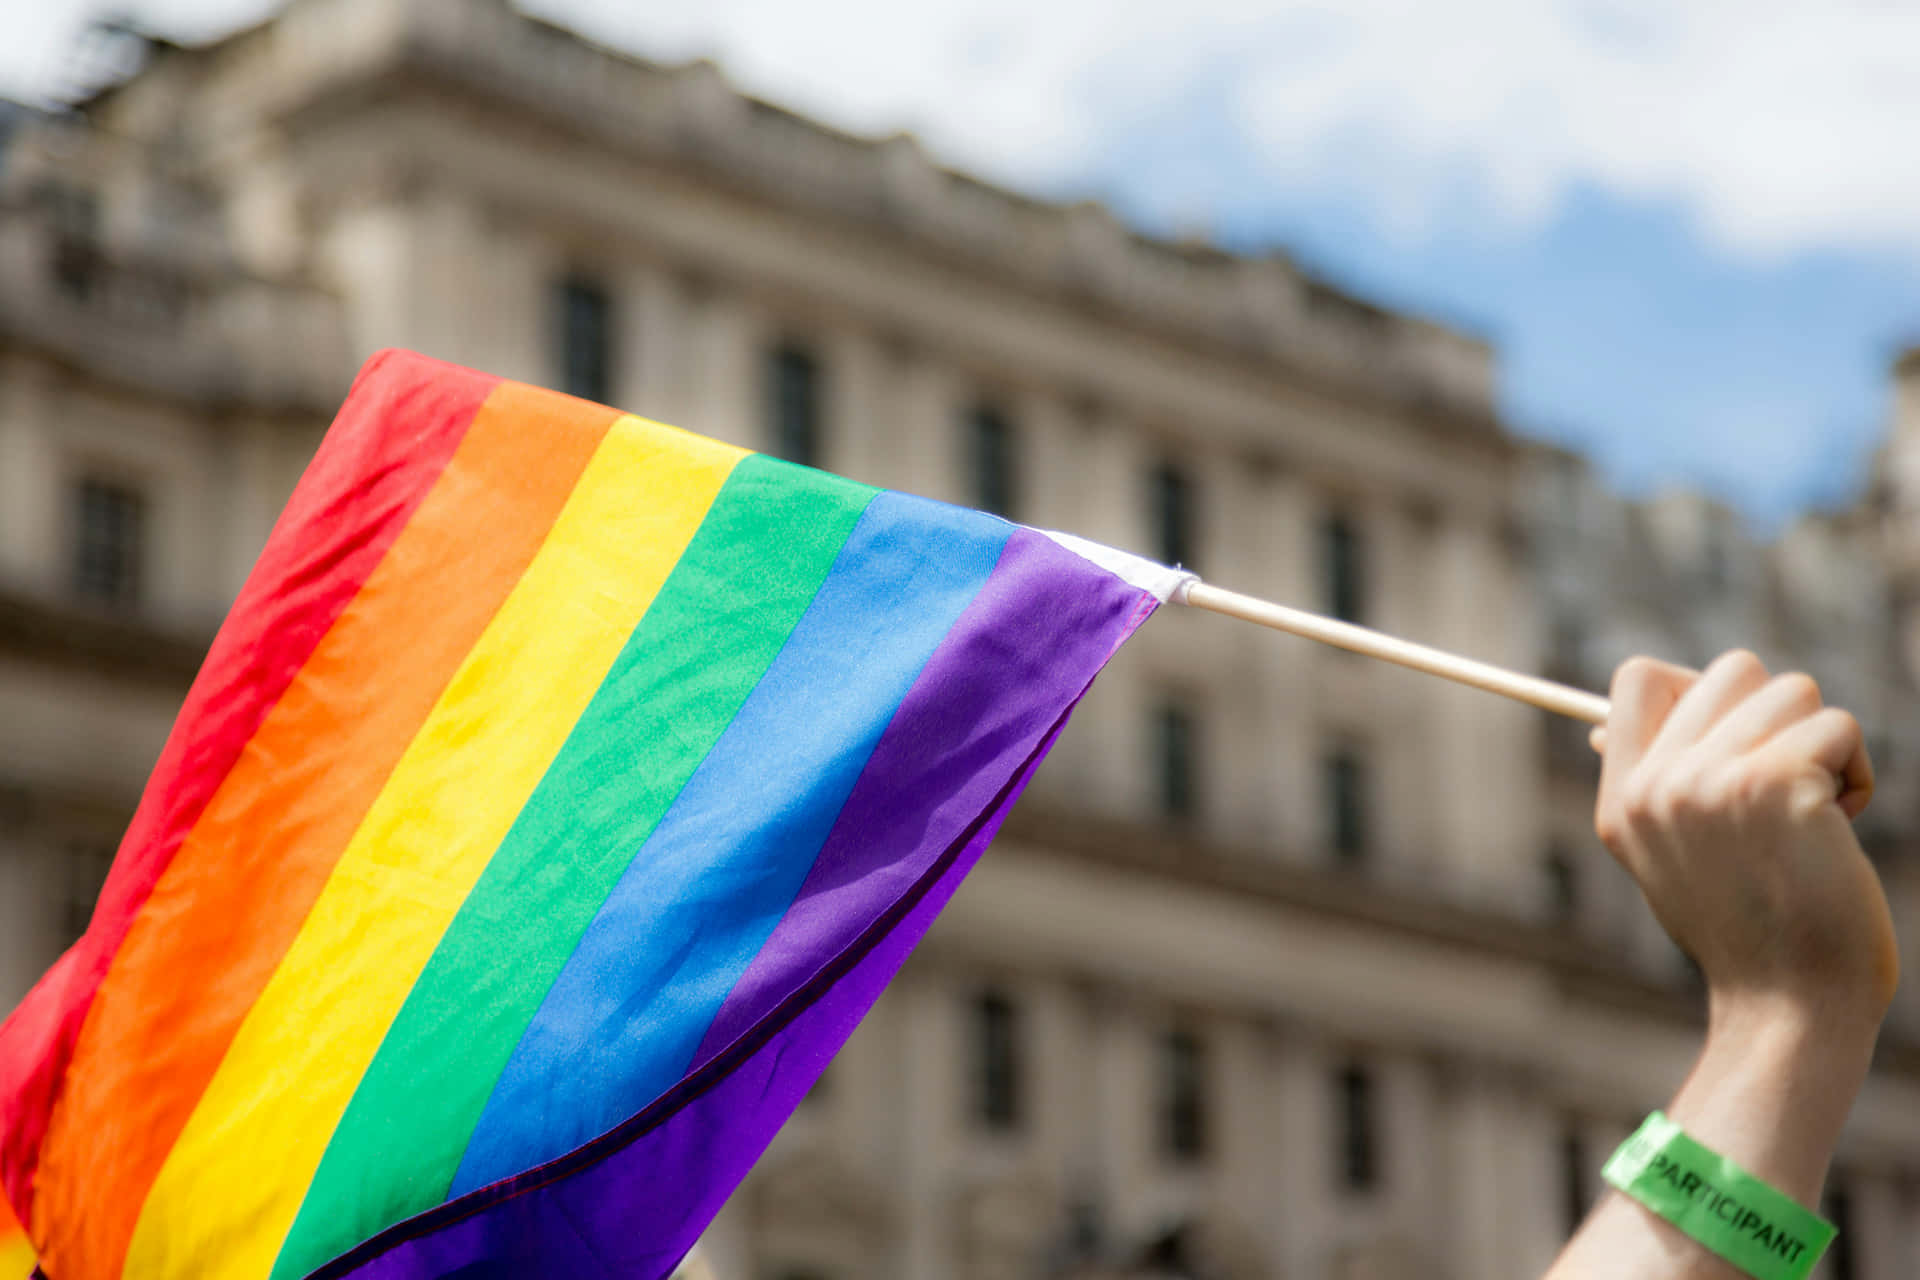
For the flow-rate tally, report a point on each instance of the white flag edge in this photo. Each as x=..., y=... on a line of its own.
x=1137, y=571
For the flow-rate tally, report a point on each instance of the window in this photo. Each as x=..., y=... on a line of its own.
x=1837, y=1207
x=1576, y=1187
x=793, y=377
x=1358, y=1154
x=1183, y=1098
x=585, y=332
x=990, y=461
x=1171, y=497
x=997, y=1046
x=1346, y=799
x=1176, y=763
x=109, y=541
x=76, y=258
x=87, y=864
x=1562, y=885
x=1342, y=569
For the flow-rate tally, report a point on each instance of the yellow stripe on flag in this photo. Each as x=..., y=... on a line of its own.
x=233, y=1183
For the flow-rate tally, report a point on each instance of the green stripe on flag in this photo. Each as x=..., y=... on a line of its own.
x=721, y=617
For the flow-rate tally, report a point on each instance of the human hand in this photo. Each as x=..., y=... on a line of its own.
x=1728, y=795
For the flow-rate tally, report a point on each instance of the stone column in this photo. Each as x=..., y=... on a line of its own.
x=1245, y=702
x=252, y=500
x=1098, y=487
x=1502, y=1199
x=1051, y=452
x=1247, y=1135
x=728, y=400
x=643, y=342
x=1408, y=706
x=1120, y=1085
x=929, y=1065
x=31, y=536
x=1484, y=749
x=924, y=451
x=1280, y=531
x=499, y=319
x=856, y=404
x=1300, y=1230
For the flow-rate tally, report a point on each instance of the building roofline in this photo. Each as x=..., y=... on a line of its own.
x=1261, y=305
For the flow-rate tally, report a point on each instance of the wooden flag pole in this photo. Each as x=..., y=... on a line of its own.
x=1578, y=703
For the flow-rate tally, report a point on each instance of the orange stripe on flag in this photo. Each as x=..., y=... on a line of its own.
x=226, y=910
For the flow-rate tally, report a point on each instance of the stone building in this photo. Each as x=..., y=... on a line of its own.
x=1291, y=964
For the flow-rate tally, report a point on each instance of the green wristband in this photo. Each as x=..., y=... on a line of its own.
x=1762, y=1231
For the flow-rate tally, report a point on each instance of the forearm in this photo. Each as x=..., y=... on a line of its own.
x=1770, y=1092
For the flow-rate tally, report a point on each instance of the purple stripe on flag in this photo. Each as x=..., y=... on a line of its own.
x=943, y=776
x=633, y=1212
x=1027, y=629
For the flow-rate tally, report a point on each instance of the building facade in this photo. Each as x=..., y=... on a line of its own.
x=1291, y=964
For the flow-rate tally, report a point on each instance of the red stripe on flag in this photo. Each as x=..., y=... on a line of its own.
x=358, y=493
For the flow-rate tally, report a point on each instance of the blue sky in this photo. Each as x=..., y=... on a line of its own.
x=1691, y=226
x=1624, y=330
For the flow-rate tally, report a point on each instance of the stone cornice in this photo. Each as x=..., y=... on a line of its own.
x=1580, y=969
x=218, y=342
x=1260, y=309
x=119, y=646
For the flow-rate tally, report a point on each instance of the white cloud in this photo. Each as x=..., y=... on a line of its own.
x=1782, y=125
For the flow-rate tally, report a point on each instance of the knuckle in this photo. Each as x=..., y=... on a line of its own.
x=1635, y=673
x=1807, y=792
x=1739, y=662
x=1643, y=803
x=1717, y=792
x=1636, y=797
x=1800, y=690
x=1750, y=786
x=1682, y=799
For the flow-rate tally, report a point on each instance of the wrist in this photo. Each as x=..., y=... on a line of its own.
x=1803, y=1033
x=1774, y=1084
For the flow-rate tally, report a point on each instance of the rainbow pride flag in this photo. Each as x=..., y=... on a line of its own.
x=559, y=793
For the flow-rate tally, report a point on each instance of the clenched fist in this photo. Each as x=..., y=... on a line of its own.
x=1729, y=796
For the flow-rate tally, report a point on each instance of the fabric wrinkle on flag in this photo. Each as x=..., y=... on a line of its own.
x=559, y=794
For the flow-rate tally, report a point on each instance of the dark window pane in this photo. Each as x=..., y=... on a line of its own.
x=1183, y=1100
x=990, y=459
x=1576, y=1186
x=87, y=865
x=1837, y=1206
x=793, y=377
x=77, y=260
x=1359, y=1164
x=1176, y=762
x=997, y=1042
x=1347, y=797
x=1562, y=887
x=586, y=340
x=109, y=534
x=1172, y=501
x=1342, y=569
